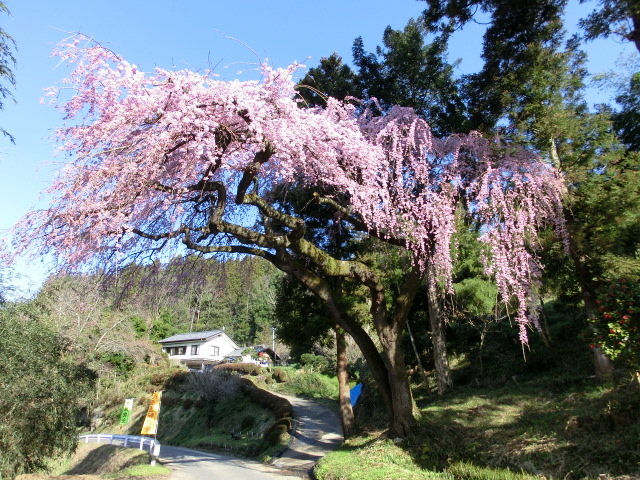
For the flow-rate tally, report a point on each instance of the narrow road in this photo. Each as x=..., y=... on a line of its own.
x=318, y=431
x=193, y=465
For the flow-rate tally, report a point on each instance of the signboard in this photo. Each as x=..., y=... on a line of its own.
x=150, y=426
x=126, y=411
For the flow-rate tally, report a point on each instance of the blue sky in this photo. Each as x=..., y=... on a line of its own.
x=195, y=34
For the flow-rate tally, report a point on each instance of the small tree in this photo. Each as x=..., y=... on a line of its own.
x=615, y=327
x=313, y=362
x=40, y=393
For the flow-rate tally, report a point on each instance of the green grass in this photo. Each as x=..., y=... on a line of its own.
x=316, y=386
x=222, y=427
x=542, y=429
x=141, y=471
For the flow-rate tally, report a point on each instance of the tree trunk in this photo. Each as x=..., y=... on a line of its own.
x=438, y=339
x=602, y=364
x=322, y=289
x=346, y=412
x=423, y=374
x=403, y=419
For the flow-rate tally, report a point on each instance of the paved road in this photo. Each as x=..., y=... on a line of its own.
x=318, y=432
x=193, y=465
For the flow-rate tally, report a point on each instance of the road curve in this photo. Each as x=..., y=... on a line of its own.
x=189, y=464
x=318, y=431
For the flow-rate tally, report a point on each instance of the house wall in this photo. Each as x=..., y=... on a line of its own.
x=206, y=350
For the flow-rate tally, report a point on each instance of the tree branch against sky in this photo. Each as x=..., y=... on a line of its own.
x=7, y=65
x=171, y=160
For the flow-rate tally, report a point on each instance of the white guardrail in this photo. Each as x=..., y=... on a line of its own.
x=150, y=445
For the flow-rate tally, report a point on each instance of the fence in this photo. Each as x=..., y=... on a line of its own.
x=150, y=445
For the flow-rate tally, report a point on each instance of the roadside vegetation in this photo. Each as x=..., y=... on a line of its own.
x=541, y=418
x=103, y=462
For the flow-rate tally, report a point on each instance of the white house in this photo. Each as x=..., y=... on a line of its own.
x=198, y=349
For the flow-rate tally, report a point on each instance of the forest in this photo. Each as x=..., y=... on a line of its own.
x=441, y=231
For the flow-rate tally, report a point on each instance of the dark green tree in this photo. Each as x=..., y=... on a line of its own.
x=620, y=18
x=331, y=77
x=40, y=392
x=407, y=71
x=627, y=120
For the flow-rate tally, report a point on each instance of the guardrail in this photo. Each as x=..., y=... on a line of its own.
x=150, y=445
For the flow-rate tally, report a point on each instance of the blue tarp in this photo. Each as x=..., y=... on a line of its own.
x=355, y=393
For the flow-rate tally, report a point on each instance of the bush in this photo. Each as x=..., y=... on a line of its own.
x=176, y=380
x=247, y=422
x=242, y=368
x=277, y=436
x=311, y=385
x=616, y=325
x=169, y=401
x=313, y=362
x=280, y=375
x=41, y=391
x=212, y=386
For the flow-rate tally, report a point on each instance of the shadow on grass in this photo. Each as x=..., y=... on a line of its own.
x=569, y=429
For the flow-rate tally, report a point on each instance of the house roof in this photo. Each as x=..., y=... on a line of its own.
x=236, y=353
x=190, y=337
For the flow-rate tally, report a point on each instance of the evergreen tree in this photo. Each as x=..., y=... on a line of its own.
x=620, y=18
x=409, y=72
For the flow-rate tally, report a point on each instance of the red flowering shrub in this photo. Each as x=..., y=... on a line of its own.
x=616, y=324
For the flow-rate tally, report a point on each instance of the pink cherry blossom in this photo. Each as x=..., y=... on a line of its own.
x=162, y=159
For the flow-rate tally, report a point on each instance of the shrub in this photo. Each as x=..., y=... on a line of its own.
x=616, y=325
x=311, y=385
x=280, y=375
x=276, y=434
x=212, y=386
x=169, y=401
x=41, y=391
x=247, y=422
x=242, y=368
x=313, y=362
x=176, y=380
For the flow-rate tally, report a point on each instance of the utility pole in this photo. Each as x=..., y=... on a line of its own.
x=273, y=343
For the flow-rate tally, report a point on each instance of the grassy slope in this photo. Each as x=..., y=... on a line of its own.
x=100, y=462
x=563, y=431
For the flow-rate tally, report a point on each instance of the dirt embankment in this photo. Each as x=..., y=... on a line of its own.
x=94, y=462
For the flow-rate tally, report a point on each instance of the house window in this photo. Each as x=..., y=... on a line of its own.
x=177, y=350
x=216, y=351
x=194, y=349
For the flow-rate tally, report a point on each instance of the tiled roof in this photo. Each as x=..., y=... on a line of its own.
x=189, y=337
x=236, y=353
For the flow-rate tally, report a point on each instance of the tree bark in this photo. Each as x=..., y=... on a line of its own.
x=438, y=340
x=322, y=289
x=389, y=329
x=402, y=400
x=346, y=411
